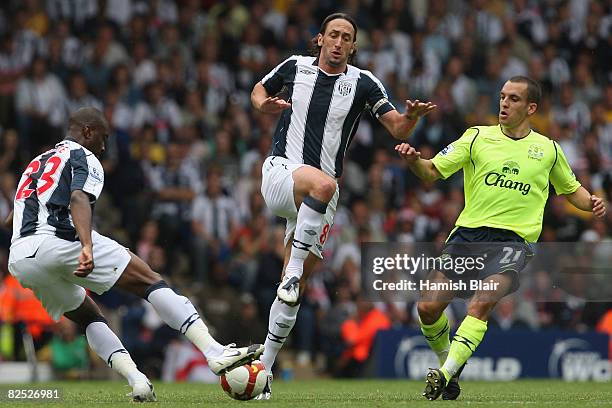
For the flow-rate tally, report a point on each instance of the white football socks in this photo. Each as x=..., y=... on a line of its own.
x=307, y=230
x=198, y=334
x=178, y=312
x=110, y=349
x=282, y=320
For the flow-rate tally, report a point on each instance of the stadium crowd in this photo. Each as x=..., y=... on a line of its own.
x=183, y=166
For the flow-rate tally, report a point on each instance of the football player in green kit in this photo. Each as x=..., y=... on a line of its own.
x=507, y=169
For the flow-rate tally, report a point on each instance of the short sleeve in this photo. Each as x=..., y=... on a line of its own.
x=561, y=175
x=87, y=173
x=377, y=99
x=274, y=81
x=454, y=156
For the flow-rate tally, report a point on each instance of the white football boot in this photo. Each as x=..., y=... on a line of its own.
x=289, y=290
x=233, y=357
x=142, y=391
x=266, y=394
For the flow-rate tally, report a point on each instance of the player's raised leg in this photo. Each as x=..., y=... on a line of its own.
x=313, y=190
x=110, y=349
x=178, y=312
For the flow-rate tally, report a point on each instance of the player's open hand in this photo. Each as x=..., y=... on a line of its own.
x=274, y=104
x=598, y=206
x=417, y=109
x=407, y=152
x=86, y=263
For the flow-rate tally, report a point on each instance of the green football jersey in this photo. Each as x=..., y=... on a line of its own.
x=506, y=180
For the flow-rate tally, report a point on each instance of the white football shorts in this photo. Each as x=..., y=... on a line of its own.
x=277, y=191
x=45, y=264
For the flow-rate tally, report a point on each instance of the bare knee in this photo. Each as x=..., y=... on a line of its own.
x=430, y=312
x=309, y=181
x=324, y=189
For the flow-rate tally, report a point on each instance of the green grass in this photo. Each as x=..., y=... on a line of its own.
x=336, y=394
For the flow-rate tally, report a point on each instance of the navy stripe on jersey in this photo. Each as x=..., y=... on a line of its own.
x=283, y=76
x=316, y=118
x=279, y=141
x=29, y=221
x=349, y=128
x=369, y=90
x=80, y=168
x=376, y=96
x=57, y=206
x=281, y=84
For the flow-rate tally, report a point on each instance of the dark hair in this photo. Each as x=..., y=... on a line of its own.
x=534, y=90
x=87, y=116
x=315, y=49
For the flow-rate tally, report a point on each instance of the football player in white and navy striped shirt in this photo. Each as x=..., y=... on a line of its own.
x=321, y=99
x=55, y=252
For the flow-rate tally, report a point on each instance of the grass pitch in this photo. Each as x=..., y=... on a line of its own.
x=333, y=394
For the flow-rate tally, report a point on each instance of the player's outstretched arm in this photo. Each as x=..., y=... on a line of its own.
x=80, y=210
x=400, y=125
x=267, y=104
x=8, y=223
x=586, y=201
x=422, y=168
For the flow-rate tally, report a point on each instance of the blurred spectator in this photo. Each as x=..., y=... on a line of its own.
x=21, y=312
x=10, y=154
x=379, y=56
x=109, y=51
x=506, y=316
x=218, y=300
x=570, y=112
x=143, y=68
x=343, y=307
x=158, y=110
x=463, y=89
x=175, y=185
x=69, y=351
x=78, y=95
x=215, y=219
x=13, y=64
x=605, y=326
x=248, y=327
x=358, y=334
x=39, y=102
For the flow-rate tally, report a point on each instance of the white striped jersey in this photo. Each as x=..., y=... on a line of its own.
x=42, y=201
x=325, y=110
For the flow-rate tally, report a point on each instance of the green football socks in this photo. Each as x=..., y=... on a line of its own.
x=438, y=337
x=468, y=337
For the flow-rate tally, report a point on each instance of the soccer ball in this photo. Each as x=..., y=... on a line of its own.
x=245, y=382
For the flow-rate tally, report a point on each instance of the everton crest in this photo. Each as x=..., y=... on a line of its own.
x=535, y=152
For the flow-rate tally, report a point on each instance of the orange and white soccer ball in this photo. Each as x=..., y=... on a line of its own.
x=245, y=382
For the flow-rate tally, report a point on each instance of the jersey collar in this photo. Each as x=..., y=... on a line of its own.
x=512, y=138
x=316, y=63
